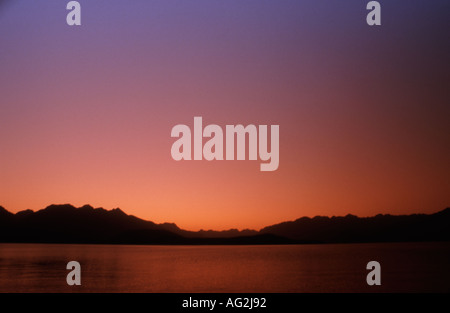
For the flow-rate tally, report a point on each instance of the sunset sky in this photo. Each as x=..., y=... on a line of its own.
x=86, y=111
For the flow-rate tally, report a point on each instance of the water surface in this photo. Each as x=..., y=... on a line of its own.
x=405, y=267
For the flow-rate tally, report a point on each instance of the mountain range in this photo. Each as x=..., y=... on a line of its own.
x=68, y=224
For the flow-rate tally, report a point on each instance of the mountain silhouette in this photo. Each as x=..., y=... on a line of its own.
x=380, y=228
x=68, y=224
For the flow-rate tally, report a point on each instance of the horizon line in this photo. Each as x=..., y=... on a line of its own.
x=224, y=230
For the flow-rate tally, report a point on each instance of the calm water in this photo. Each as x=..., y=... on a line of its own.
x=405, y=267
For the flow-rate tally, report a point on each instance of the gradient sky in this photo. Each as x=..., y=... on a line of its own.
x=86, y=112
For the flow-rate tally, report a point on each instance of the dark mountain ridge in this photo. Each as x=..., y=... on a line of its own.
x=379, y=228
x=68, y=224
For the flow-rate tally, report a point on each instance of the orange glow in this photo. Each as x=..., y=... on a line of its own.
x=86, y=115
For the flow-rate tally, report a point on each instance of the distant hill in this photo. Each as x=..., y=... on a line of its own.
x=68, y=224
x=380, y=228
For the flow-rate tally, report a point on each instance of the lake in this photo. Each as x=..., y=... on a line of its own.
x=405, y=267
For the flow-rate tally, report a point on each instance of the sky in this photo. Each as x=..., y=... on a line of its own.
x=86, y=111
